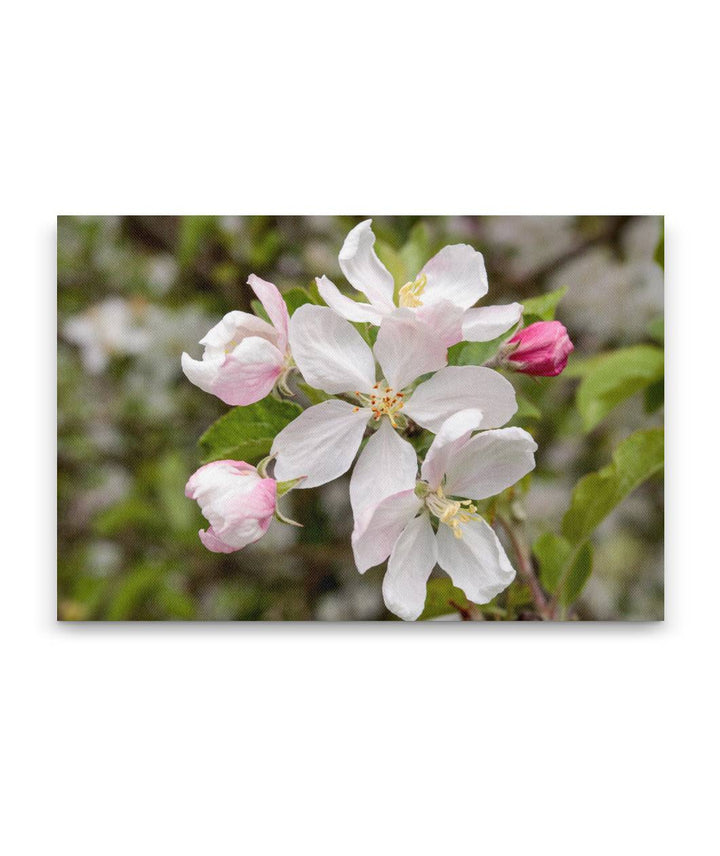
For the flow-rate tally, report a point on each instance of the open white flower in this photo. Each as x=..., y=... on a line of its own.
x=332, y=356
x=458, y=469
x=441, y=295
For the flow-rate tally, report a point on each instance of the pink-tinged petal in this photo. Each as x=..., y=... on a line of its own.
x=237, y=502
x=274, y=305
x=247, y=517
x=244, y=376
x=489, y=322
x=456, y=273
x=216, y=545
x=444, y=319
x=364, y=270
x=451, y=437
x=457, y=388
x=411, y=562
x=349, y=309
x=320, y=444
x=330, y=352
x=249, y=372
x=378, y=528
x=476, y=563
x=490, y=462
x=387, y=465
x=226, y=335
x=407, y=348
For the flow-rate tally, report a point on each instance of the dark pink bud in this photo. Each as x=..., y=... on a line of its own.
x=541, y=349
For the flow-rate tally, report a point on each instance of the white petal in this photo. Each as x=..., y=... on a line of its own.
x=201, y=372
x=320, y=444
x=387, y=465
x=274, y=305
x=411, y=562
x=407, y=348
x=456, y=273
x=350, y=309
x=489, y=322
x=462, y=388
x=234, y=327
x=445, y=319
x=363, y=269
x=378, y=528
x=477, y=563
x=453, y=434
x=490, y=462
x=329, y=351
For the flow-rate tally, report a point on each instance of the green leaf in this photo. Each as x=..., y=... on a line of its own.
x=577, y=575
x=314, y=396
x=393, y=261
x=564, y=570
x=526, y=409
x=476, y=353
x=296, y=297
x=635, y=460
x=293, y=297
x=615, y=377
x=543, y=308
x=416, y=251
x=247, y=433
x=440, y=592
x=259, y=310
x=368, y=331
x=552, y=552
x=580, y=366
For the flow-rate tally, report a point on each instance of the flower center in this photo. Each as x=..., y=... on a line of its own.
x=452, y=512
x=383, y=401
x=410, y=292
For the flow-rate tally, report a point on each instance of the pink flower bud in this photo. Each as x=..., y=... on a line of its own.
x=236, y=500
x=540, y=349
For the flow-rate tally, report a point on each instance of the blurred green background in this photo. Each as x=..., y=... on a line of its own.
x=134, y=292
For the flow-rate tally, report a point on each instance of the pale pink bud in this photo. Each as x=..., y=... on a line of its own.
x=237, y=501
x=541, y=349
x=244, y=356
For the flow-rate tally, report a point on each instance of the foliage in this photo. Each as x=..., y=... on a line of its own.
x=563, y=570
x=543, y=308
x=613, y=377
x=246, y=433
x=635, y=460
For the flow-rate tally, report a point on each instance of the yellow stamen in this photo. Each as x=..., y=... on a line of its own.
x=411, y=292
x=452, y=512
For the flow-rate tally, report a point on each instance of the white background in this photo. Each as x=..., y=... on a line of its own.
x=358, y=739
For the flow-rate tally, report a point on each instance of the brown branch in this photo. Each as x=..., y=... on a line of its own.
x=526, y=569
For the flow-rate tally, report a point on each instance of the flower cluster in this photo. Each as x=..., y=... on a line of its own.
x=415, y=513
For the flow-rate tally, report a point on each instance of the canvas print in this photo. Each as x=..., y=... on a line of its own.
x=343, y=418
